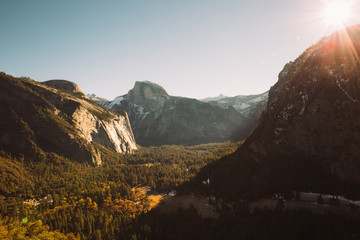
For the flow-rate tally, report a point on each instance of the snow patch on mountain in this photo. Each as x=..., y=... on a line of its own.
x=245, y=104
x=99, y=100
x=116, y=101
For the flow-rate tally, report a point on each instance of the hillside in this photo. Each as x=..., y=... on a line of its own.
x=308, y=136
x=36, y=119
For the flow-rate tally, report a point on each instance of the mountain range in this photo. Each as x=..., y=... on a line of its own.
x=158, y=118
x=57, y=116
x=251, y=106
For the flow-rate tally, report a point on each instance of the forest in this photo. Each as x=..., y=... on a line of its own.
x=56, y=198
x=55, y=195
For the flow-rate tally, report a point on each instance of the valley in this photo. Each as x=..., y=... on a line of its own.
x=84, y=198
x=283, y=164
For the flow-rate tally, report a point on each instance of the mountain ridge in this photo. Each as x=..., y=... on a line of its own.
x=37, y=119
x=251, y=106
x=308, y=134
x=158, y=118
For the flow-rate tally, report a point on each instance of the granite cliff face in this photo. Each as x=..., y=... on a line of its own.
x=66, y=86
x=308, y=137
x=38, y=118
x=158, y=118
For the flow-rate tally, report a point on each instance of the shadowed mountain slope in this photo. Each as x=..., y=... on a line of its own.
x=308, y=137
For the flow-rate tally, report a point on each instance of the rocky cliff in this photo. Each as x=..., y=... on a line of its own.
x=158, y=118
x=308, y=137
x=66, y=86
x=52, y=117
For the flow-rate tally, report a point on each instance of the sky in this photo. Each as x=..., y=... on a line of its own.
x=193, y=48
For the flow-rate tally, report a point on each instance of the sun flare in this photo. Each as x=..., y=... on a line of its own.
x=337, y=12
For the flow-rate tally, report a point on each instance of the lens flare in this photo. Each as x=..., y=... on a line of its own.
x=337, y=12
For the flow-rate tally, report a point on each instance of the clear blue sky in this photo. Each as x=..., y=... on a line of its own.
x=193, y=48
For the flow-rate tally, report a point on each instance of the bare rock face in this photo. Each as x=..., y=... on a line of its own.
x=114, y=132
x=308, y=137
x=158, y=118
x=37, y=118
x=145, y=93
x=66, y=86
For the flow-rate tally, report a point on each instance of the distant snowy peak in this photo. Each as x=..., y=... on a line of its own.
x=248, y=105
x=116, y=101
x=106, y=103
x=209, y=99
x=97, y=99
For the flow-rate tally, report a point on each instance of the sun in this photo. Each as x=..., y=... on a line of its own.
x=337, y=13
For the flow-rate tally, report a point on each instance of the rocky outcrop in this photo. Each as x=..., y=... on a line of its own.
x=37, y=118
x=158, y=118
x=308, y=136
x=113, y=132
x=66, y=86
